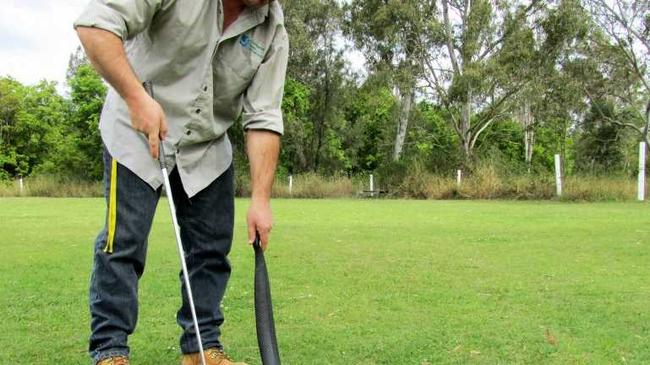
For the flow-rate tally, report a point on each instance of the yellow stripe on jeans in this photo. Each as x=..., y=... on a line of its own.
x=112, y=208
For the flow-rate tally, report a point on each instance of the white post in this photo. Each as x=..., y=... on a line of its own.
x=22, y=185
x=459, y=177
x=290, y=184
x=641, y=186
x=558, y=175
x=372, y=185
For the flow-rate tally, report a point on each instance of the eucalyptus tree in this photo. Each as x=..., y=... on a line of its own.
x=625, y=25
x=388, y=32
x=553, y=96
x=477, y=57
x=487, y=61
x=316, y=61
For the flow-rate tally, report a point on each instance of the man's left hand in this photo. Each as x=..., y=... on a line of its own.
x=260, y=221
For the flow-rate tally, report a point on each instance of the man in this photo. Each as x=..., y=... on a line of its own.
x=211, y=62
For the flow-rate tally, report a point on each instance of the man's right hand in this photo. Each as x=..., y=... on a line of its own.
x=147, y=116
x=106, y=52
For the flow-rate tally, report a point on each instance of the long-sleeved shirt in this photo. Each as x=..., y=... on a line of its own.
x=204, y=79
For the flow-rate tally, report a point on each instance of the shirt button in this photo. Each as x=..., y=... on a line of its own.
x=188, y=132
x=198, y=111
x=205, y=88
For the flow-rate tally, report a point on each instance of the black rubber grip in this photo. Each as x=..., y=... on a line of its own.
x=264, y=323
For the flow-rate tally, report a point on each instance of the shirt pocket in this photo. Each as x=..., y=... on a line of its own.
x=243, y=55
x=229, y=83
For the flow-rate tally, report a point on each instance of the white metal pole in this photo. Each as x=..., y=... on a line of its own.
x=459, y=177
x=641, y=185
x=290, y=184
x=372, y=185
x=558, y=175
x=181, y=253
x=22, y=185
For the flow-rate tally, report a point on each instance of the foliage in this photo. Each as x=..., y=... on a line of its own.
x=431, y=140
x=447, y=84
x=29, y=129
x=599, y=148
x=295, y=108
x=370, y=114
x=79, y=151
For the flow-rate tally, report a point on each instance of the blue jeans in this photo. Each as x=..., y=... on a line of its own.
x=206, y=223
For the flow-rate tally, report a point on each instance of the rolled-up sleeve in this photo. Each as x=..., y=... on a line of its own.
x=125, y=18
x=262, y=105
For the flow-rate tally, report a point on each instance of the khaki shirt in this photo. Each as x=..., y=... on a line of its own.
x=204, y=79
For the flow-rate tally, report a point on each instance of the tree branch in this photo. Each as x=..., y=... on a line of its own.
x=450, y=37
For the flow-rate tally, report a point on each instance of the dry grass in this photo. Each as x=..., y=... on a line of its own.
x=485, y=183
x=423, y=185
x=587, y=188
x=44, y=186
x=315, y=186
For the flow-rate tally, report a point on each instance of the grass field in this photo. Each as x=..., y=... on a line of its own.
x=360, y=282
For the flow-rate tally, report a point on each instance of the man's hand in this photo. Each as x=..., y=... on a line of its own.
x=147, y=116
x=260, y=221
x=106, y=52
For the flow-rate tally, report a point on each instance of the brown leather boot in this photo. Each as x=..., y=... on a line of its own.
x=213, y=356
x=115, y=360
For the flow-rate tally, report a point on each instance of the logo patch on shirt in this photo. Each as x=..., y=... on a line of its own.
x=249, y=43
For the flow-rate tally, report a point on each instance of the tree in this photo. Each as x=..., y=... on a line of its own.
x=11, y=94
x=316, y=62
x=432, y=142
x=599, y=148
x=298, y=129
x=370, y=111
x=387, y=31
x=553, y=94
x=626, y=28
x=482, y=55
x=77, y=59
x=29, y=126
x=78, y=151
x=462, y=58
x=87, y=96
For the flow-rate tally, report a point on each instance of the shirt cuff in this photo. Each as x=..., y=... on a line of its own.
x=103, y=17
x=269, y=120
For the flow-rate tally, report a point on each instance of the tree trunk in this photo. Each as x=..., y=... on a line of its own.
x=527, y=121
x=646, y=129
x=402, y=122
x=466, y=134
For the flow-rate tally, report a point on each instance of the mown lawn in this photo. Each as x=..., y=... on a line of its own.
x=360, y=282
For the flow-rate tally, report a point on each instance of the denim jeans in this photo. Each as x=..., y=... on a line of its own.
x=206, y=223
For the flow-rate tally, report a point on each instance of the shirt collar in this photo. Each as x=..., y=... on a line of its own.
x=262, y=12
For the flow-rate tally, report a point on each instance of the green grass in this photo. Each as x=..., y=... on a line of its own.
x=360, y=282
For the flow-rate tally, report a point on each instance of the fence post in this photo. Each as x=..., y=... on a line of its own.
x=290, y=184
x=558, y=175
x=22, y=185
x=459, y=177
x=372, y=185
x=641, y=185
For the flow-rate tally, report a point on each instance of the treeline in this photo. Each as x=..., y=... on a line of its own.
x=44, y=133
x=446, y=85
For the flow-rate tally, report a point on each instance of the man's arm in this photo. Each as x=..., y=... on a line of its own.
x=106, y=53
x=263, y=148
x=262, y=120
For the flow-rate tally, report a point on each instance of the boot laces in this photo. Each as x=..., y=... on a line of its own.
x=218, y=355
x=120, y=360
